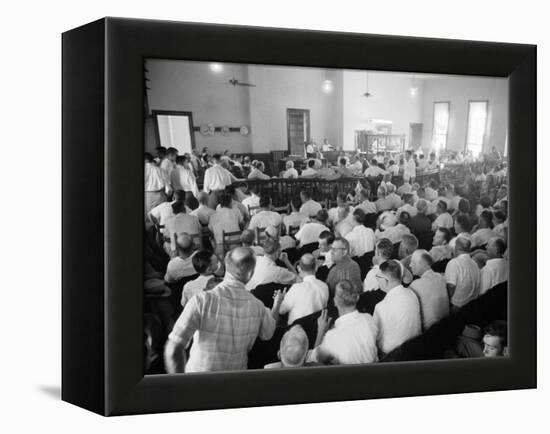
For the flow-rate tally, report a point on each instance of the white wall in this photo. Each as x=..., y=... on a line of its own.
x=458, y=91
x=391, y=100
x=191, y=86
x=280, y=88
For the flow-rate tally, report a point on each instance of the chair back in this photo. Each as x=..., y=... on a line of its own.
x=230, y=240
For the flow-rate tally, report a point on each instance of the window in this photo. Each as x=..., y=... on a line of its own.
x=441, y=125
x=477, y=121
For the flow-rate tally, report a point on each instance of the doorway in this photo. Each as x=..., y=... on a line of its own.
x=415, y=135
x=298, y=130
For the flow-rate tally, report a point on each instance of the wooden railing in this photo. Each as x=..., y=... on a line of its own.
x=283, y=190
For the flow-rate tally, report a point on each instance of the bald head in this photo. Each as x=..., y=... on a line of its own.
x=247, y=237
x=422, y=206
x=294, y=347
x=184, y=243
x=421, y=261
x=307, y=264
x=462, y=245
x=240, y=263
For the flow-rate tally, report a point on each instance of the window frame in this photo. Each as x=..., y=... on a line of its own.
x=448, y=122
x=470, y=101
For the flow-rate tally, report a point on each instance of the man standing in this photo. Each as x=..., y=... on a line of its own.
x=409, y=172
x=156, y=184
x=182, y=178
x=397, y=316
x=430, y=289
x=224, y=322
x=216, y=178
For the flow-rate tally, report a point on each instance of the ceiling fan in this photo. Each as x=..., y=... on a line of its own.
x=234, y=82
x=367, y=94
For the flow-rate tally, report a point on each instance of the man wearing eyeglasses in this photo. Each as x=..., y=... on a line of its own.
x=344, y=267
x=397, y=316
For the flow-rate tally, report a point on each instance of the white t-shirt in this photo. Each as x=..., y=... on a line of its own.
x=351, y=341
x=397, y=317
x=361, y=240
x=264, y=219
x=304, y=298
x=463, y=272
x=494, y=272
x=432, y=294
x=310, y=208
x=267, y=271
x=309, y=233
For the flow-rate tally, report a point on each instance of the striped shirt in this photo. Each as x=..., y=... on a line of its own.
x=224, y=323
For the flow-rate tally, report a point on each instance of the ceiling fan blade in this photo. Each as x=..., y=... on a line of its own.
x=245, y=84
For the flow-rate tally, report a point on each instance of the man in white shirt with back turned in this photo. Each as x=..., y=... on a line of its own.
x=462, y=275
x=156, y=184
x=361, y=239
x=183, y=178
x=309, y=206
x=409, y=171
x=265, y=217
x=496, y=267
x=267, y=271
x=216, y=178
x=397, y=316
x=308, y=296
x=430, y=289
x=352, y=340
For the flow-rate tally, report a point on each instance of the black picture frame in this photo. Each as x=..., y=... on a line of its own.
x=102, y=179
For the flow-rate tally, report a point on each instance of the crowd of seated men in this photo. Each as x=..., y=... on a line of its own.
x=232, y=283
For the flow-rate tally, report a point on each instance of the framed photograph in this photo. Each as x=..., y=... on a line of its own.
x=272, y=251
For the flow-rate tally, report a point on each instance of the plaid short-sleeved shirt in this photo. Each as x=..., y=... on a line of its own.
x=224, y=323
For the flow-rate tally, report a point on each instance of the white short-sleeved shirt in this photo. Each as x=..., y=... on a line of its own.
x=203, y=213
x=310, y=208
x=432, y=294
x=409, y=170
x=290, y=173
x=408, y=208
x=444, y=220
x=194, y=287
x=182, y=223
x=494, y=272
x=309, y=233
x=397, y=318
x=371, y=283
x=368, y=207
x=265, y=218
x=463, y=273
x=309, y=173
x=440, y=253
x=266, y=271
x=294, y=219
x=225, y=219
x=361, y=240
x=374, y=171
x=351, y=341
x=178, y=268
x=304, y=298
x=252, y=201
x=393, y=233
x=482, y=237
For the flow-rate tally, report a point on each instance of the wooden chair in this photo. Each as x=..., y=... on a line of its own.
x=293, y=230
x=252, y=210
x=230, y=240
x=285, y=209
